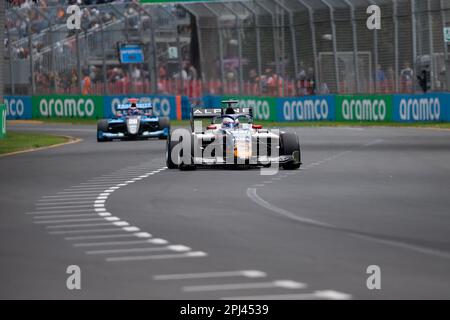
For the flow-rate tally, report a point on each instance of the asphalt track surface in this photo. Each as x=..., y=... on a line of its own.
x=364, y=196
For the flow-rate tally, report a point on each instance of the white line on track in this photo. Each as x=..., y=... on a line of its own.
x=112, y=181
x=191, y=254
x=251, y=193
x=67, y=216
x=323, y=294
x=285, y=284
x=121, y=243
x=94, y=194
x=63, y=207
x=85, y=231
x=68, y=198
x=77, y=192
x=219, y=274
x=82, y=189
x=89, y=225
x=107, y=236
x=92, y=185
x=176, y=248
x=59, y=211
x=43, y=204
x=97, y=218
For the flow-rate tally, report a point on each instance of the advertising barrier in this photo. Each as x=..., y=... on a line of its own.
x=2, y=121
x=67, y=106
x=264, y=108
x=433, y=107
x=18, y=107
x=421, y=108
x=313, y=108
x=364, y=107
x=169, y=106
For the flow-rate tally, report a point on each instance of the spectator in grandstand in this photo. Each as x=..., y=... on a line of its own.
x=65, y=81
x=390, y=80
x=230, y=72
x=264, y=79
x=380, y=79
x=406, y=77
x=162, y=72
x=74, y=79
x=380, y=75
x=274, y=83
x=424, y=79
x=253, y=81
x=136, y=74
x=311, y=81
x=301, y=80
x=86, y=84
x=183, y=75
x=324, y=88
x=191, y=71
x=441, y=79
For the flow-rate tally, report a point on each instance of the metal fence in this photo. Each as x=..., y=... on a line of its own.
x=263, y=47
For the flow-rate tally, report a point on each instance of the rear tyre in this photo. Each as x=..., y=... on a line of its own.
x=290, y=146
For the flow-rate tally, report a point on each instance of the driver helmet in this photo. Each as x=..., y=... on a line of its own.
x=230, y=123
x=227, y=123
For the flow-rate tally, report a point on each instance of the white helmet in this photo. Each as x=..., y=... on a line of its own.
x=227, y=123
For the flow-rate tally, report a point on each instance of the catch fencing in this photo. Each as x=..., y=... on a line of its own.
x=277, y=48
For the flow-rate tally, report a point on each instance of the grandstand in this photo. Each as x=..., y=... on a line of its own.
x=264, y=47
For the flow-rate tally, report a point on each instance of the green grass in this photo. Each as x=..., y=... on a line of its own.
x=18, y=141
x=268, y=124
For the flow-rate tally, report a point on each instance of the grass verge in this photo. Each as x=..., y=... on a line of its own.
x=18, y=141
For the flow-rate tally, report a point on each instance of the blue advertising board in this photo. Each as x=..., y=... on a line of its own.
x=162, y=105
x=18, y=107
x=421, y=107
x=310, y=108
x=131, y=53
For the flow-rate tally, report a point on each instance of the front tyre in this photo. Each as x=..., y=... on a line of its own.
x=189, y=166
x=169, y=147
x=290, y=146
x=102, y=126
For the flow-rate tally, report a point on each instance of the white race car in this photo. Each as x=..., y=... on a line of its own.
x=230, y=138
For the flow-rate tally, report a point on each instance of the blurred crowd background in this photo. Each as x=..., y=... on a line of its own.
x=263, y=47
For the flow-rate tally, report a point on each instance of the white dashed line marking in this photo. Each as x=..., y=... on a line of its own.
x=325, y=294
x=285, y=284
x=165, y=248
x=191, y=254
x=113, y=243
x=203, y=275
x=107, y=236
x=93, y=194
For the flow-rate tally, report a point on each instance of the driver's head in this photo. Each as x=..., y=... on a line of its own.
x=227, y=123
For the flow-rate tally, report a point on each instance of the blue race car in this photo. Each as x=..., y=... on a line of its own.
x=133, y=121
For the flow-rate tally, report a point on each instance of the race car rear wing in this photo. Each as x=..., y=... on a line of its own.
x=142, y=106
x=201, y=114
